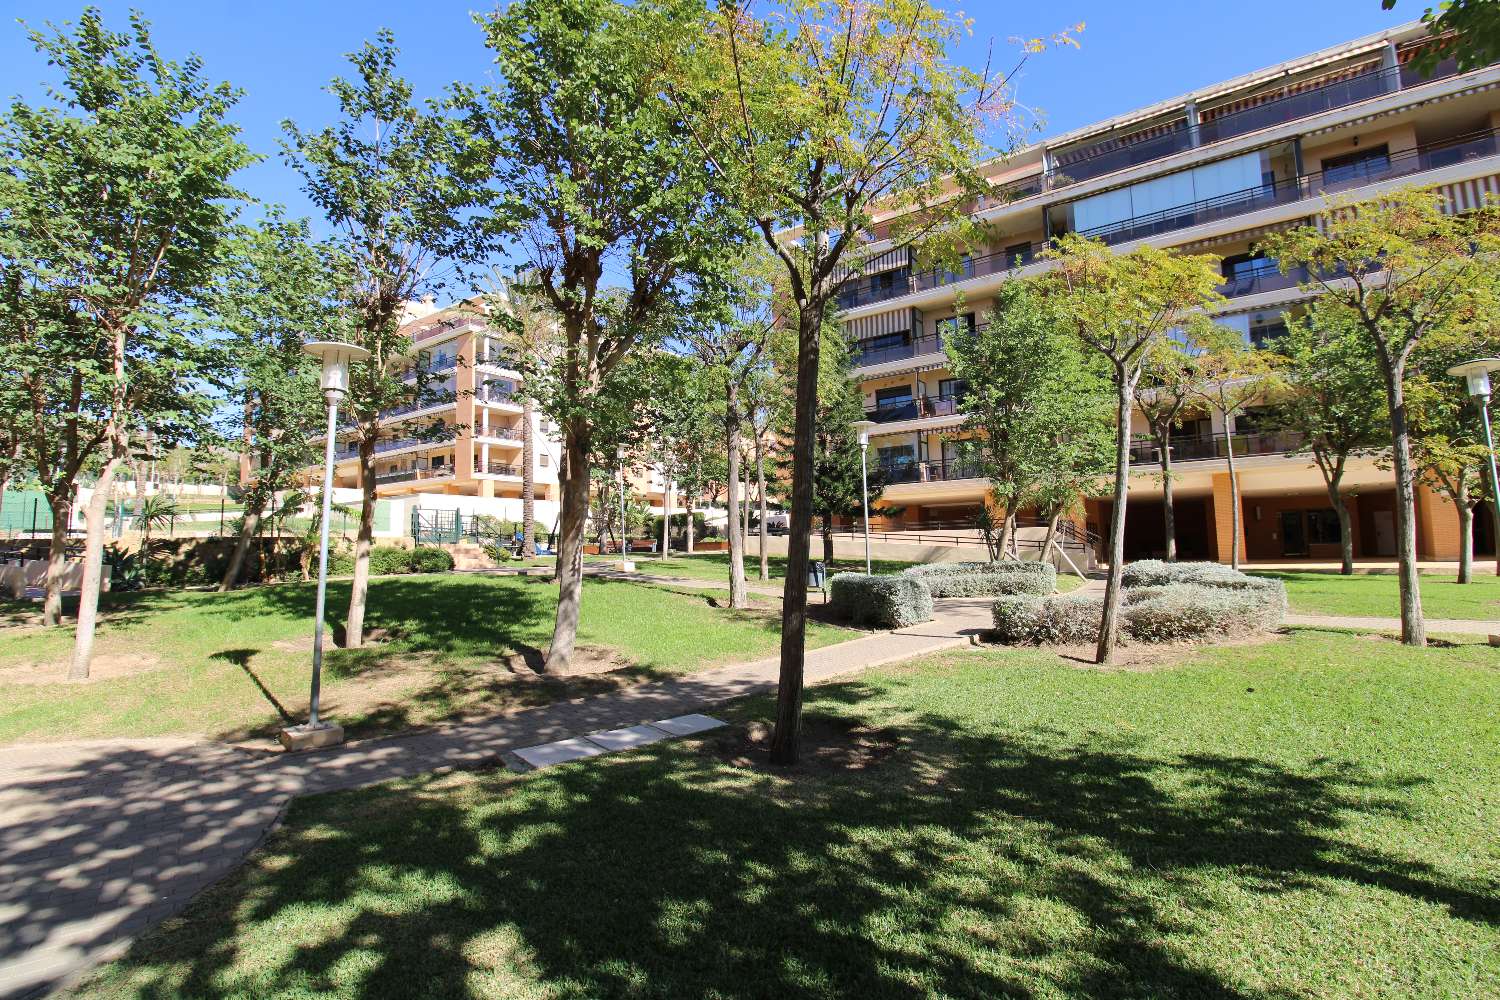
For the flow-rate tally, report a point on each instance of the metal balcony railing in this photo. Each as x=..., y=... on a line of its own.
x=413, y=475
x=496, y=468
x=1196, y=447
x=892, y=473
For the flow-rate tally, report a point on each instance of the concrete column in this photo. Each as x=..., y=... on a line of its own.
x=1223, y=526
x=1194, y=137
x=463, y=449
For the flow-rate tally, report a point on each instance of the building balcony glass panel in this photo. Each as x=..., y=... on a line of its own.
x=1110, y=155
x=896, y=473
x=1195, y=447
x=907, y=410
x=413, y=475
x=496, y=468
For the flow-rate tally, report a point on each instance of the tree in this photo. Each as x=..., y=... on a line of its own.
x=597, y=175
x=1123, y=306
x=1448, y=442
x=1166, y=394
x=1231, y=374
x=1334, y=402
x=277, y=287
x=128, y=200
x=399, y=185
x=1404, y=273
x=1031, y=394
x=730, y=340
x=1467, y=30
x=819, y=116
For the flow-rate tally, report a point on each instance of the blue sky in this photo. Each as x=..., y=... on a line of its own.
x=282, y=52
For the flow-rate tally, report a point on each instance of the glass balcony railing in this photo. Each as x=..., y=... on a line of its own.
x=413, y=475
x=496, y=468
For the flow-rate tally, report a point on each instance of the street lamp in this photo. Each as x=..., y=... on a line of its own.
x=863, y=428
x=336, y=358
x=1477, y=374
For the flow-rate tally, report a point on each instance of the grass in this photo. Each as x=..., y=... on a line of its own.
x=1377, y=596
x=235, y=666
x=1312, y=817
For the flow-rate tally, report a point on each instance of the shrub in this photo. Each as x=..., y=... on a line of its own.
x=498, y=552
x=1158, y=573
x=1186, y=612
x=1070, y=619
x=986, y=579
x=385, y=560
x=881, y=601
x=430, y=560
x=1017, y=617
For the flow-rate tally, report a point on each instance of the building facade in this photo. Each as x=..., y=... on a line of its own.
x=1211, y=172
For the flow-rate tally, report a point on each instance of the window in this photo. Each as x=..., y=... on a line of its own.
x=1265, y=334
x=948, y=327
x=1323, y=527
x=893, y=396
x=1021, y=252
x=544, y=460
x=438, y=461
x=896, y=455
x=1358, y=164
x=884, y=342
x=1246, y=265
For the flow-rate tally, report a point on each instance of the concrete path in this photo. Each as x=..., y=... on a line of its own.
x=1457, y=626
x=100, y=841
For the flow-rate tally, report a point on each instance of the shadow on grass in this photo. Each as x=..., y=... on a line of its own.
x=968, y=865
x=241, y=658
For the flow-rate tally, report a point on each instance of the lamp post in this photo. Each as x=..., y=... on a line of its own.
x=336, y=358
x=1477, y=374
x=624, y=542
x=863, y=428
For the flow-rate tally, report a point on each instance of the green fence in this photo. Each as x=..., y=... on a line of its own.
x=23, y=510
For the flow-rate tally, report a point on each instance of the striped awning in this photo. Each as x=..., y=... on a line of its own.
x=1276, y=93
x=897, y=321
x=888, y=261
x=1465, y=196
x=1239, y=235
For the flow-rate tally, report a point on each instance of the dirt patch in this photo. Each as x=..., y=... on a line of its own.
x=304, y=644
x=587, y=661
x=829, y=746
x=1143, y=657
x=103, y=666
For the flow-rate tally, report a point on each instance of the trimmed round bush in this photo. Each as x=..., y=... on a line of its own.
x=1070, y=619
x=430, y=560
x=1017, y=617
x=385, y=560
x=1187, y=612
x=894, y=601
x=986, y=579
x=1157, y=573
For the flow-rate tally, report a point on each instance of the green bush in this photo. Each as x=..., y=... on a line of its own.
x=1070, y=619
x=386, y=560
x=1158, y=573
x=1017, y=617
x=895, y=601
x=986, y=579
x=430, y=560
x=1187, y=612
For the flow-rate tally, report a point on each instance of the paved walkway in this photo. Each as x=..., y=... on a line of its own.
x=1457, y=626
x=100, y=841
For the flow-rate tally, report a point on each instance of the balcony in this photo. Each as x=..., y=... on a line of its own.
x=1197, y=448
x=1413, y=161
x=496, y=468
x=1110, y=155
x=863, y=357
x=891, y=412
x=498, y=359
x=413, y=475
x=896, y=473
x=1265, y=277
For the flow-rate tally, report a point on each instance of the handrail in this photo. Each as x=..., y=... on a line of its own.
x=1202, y=447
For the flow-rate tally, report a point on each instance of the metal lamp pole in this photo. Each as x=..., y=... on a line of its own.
x=863, y=427
x=624, y=542
x=1477, y=374
x=334, y=381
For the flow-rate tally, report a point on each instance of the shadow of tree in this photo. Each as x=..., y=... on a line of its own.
x=967, y=865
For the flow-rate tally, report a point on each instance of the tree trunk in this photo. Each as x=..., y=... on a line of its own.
x=760, y=489
x=359, y=588
x=1002, y=544
x=1234, y=503
x=1168, y=512
x=1413, y=627
x=786, y=740
x=1333, y=478
x=57, y=555
x=745, y=501
x=737, y=594
x=93, y=565
x=1050, y=537
x=249, y=525
x=827, y=538
x=1105, y=651
x=690, y=525
x=575, y=505
x=528, y=478
x=1465, y=542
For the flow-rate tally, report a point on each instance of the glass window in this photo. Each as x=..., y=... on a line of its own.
x=1355, y=165
x=952, y=388
x=1323, y=526
x=948, y=327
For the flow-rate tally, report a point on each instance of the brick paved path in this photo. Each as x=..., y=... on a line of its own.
x=100, y=841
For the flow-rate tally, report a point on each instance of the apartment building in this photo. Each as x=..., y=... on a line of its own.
x=1210, y=171
x=463, y=437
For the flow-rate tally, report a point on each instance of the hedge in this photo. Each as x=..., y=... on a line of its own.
x=986, y=579
x=1158, y=573
x=387, y=560
x=1230, y=605
x=894, y=601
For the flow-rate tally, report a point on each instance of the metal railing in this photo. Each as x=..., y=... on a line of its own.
x=863, y=357
x=1110, y=155
x=412, y=475
x=893, y=473
x=496, y=468
x=1200, y=447
x=1429, y=157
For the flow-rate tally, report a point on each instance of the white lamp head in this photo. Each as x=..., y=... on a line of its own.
x=336, y=357
x=863, y=428
x=1477, y=374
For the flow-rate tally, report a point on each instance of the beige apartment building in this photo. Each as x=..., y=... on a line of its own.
x=1210, y=171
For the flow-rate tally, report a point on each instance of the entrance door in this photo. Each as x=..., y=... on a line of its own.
x=1293, y=533
x=1385, y=532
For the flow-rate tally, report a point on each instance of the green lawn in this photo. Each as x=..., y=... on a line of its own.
x=1376, y=595
x=1312, y=817
x=236, y=665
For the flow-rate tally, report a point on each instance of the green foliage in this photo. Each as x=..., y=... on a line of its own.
x=430, y=560
x=1475, y=34
x=896, y=601
x=1038, y=410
